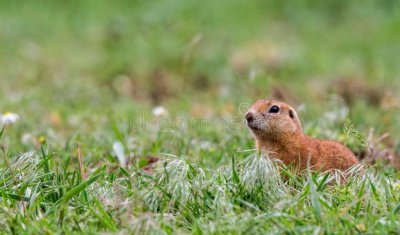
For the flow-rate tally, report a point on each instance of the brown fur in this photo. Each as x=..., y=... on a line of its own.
x=281, y=136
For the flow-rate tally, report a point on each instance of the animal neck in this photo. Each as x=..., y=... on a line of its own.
x=284, y=142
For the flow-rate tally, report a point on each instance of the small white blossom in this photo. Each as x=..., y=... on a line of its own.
x=160, y=111
x=27, y=138
x=120, y=153
x=9, y=118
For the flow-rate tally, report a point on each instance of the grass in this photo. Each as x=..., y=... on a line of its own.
x=85, y=76
x=182, y=197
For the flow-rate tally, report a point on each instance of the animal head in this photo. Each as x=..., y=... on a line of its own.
x=268, y=119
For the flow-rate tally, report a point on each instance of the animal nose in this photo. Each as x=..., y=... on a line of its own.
x=249, y=117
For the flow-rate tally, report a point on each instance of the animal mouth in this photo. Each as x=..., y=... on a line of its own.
x=253, y=127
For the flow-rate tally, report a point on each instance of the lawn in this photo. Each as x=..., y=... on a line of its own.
x=131, y=115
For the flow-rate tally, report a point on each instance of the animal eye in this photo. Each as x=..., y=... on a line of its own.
x=274, y=109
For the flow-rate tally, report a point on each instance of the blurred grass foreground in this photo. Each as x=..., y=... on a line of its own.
x=154, y=92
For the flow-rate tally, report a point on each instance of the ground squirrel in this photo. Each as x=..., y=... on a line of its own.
x=277, y=130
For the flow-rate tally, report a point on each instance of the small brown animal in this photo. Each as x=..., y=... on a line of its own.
x=277, y=130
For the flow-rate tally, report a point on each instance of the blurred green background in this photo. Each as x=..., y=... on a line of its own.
x=89, y=70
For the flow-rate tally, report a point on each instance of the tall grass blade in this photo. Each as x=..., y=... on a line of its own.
x=79, y=188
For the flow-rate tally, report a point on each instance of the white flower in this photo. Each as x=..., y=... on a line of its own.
x=27, y=138
x=160, y=111
x=120, y=153
x=9, y=118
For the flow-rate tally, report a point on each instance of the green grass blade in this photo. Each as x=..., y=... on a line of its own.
x=104, y=217
x=314, y=197
x=2, y=130
x=360, y=198
x=235, y=176
x=79, y=188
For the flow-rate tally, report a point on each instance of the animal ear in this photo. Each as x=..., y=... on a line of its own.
x=291, y=115
x=294, y=117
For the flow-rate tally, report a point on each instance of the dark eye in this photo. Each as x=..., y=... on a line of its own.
x=274, y=109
